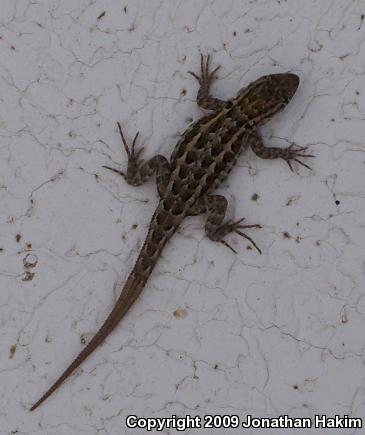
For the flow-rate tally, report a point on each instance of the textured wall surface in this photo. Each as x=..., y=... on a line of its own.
x=213, y=332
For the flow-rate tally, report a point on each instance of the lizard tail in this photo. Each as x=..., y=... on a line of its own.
x=150, y=252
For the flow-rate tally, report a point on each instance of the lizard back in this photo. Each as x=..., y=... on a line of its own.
x=205, y=155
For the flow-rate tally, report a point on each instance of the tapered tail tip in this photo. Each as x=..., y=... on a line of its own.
x=34, y=406
x=41, y=400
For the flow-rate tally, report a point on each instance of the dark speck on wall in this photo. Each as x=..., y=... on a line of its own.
x=12, y=351
x=28, y=276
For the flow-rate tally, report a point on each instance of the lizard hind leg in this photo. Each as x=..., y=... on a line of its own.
x=140, y=170
x=215, y=229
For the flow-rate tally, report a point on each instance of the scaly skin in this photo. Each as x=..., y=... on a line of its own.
x=201, y=160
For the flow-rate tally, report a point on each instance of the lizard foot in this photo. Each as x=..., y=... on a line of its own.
x=233, y=227
x=206, y=78
x=292, y=153
x=134, y=161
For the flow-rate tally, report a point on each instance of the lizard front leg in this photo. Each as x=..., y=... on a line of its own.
x=206, y=78
x=254, y=141
x=215, y=229
x=140, y=170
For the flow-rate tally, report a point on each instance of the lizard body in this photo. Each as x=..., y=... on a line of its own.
x=201, y=160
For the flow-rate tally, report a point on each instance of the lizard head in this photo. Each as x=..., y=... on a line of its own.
x=268, y=95
x=285, y=85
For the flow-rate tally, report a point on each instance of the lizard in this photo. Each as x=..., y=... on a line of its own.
x=202, y=158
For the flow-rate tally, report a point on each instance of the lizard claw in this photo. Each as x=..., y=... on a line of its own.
x=228, y=246
x=117, y=171
x=245, y=236
x=235, y=227
x=292, y=153
x=134, y=160
x=131, y=151
x=205, y=77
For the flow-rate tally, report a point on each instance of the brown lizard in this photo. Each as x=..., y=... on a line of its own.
x=201, y=160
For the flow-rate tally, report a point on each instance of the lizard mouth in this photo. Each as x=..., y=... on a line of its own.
x=294, y=79
x=288, y=83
